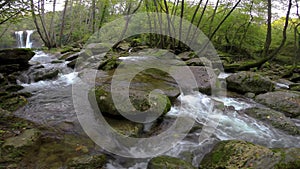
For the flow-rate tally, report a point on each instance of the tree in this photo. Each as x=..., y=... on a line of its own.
x=271, y=55
x=13, y=9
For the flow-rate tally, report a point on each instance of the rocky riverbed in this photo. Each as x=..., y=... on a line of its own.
x=257, y=121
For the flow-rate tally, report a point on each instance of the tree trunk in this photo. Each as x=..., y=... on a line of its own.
x=269, y=31
x=62, y=26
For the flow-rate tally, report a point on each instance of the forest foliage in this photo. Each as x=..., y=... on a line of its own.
x=248, y=28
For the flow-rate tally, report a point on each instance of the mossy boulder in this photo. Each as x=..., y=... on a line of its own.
x=138, y=99
x=125, y=127
x=239, y=154
x=87, y=162
x=284, y=101
x=109, y=64
x=16, y=56
x=167, y=162
x=274, y=118
x=98, y=48
x=243, y=82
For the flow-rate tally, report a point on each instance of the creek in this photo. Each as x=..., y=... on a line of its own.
x=51, y=105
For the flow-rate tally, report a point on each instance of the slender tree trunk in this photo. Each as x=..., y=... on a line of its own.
x=180, y=24
x=36, y=23
x=224, y=19
x=199, y=21
x=269, y=31
x=149, y=22
x=213, y=17
x=247, y=27
x=296, y=44
x=62, y=26
x=127, y=22
x=52, y=30
x=192, y=20
x=93, y=18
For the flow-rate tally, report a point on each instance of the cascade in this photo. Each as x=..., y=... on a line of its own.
x=19, y=36
x=28, y=42
x=20, y=39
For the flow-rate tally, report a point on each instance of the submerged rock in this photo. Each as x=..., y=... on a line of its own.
x=168, y=162
x=274, y=118
x=283, y=101
x=45, y=74
x=243, y=82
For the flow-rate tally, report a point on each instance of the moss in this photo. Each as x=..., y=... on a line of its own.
x=88, y=162
x=125, y=127
x=239, y=154
x=14, y=88
x=138, y=100
x=56, y=61
x=12, y=103
x=109, y=64
x=289, y=165
x=168, y=162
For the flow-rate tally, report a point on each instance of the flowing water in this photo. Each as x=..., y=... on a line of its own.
x=21, y=40
x=51, y=105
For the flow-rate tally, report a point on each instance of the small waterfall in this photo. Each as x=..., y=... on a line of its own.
x=19, y=36
x=28, y=42
x=20, y=39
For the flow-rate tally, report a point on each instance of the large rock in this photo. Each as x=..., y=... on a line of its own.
x=283, y=101
x=16, y=56
x=240, y=154
x=98, y=48
x=274, y=118
x=167, y=162
x=139, y=100
x=205, y=78
x=243, y=82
